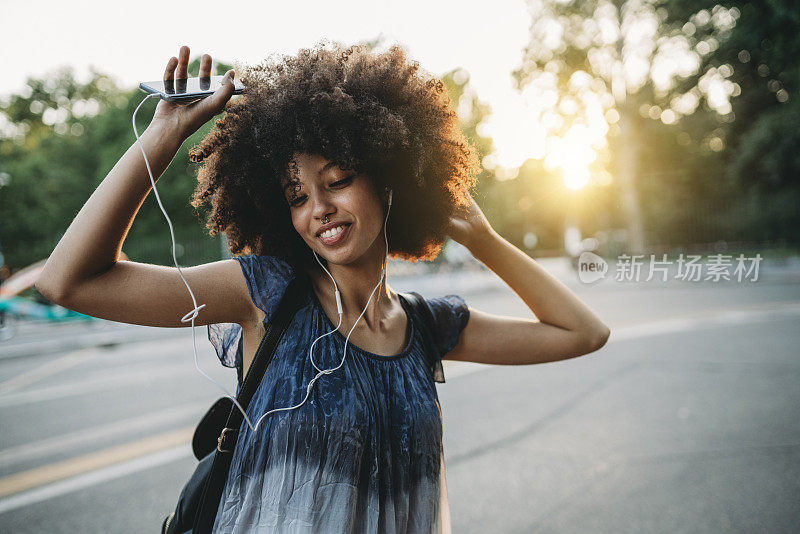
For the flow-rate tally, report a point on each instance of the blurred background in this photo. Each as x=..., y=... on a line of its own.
x=658, y=130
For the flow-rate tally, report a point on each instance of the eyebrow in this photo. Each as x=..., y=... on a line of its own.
x=322, y=170
x=326, y=167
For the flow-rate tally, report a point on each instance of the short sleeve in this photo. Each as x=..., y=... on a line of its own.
x=450, y=316
x=267, y=278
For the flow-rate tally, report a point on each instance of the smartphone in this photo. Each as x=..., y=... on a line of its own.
x=187, y=89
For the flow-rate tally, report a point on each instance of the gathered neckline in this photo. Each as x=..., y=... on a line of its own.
x=410, y=329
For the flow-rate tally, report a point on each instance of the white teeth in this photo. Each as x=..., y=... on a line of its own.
x=332, y=232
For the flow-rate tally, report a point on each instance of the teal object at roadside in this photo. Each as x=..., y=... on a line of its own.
x=29, y=309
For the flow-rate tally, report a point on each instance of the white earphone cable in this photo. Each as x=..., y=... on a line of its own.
x=339, y=306
x=192, y=314
x=197, y=308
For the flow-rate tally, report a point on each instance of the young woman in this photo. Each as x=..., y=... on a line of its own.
x=332, y=161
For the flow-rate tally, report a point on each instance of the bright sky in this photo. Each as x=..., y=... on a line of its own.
x=133, y=43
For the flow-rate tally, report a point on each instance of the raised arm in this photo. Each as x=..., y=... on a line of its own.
x=82, y=272
x=567, y=327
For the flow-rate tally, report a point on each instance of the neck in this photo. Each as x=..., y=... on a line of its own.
x=356, y=282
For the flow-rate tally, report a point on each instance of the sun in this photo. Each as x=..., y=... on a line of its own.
x=573, y=153
x=575, y=178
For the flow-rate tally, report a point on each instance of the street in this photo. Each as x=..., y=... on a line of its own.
x=686, y=421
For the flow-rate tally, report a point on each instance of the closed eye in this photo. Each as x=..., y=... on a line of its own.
x=340, y=183
x=344, y=181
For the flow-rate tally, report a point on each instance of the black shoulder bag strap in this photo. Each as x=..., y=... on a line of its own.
x=428, y=322
x=215, y=483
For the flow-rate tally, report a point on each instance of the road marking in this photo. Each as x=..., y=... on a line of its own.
x=63, y=477
x=86, y=436
x=98, y=383
x=178, y=452
x=706, y=319
x=76, y=466
x=694, y=321
x=48, y=369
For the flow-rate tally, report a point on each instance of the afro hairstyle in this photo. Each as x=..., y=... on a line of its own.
x=376, y=113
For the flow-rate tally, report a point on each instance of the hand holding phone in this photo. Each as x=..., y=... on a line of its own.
x=188, y=103
x=187, y=90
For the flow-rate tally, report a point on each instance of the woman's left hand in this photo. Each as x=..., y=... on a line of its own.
x=468, y=225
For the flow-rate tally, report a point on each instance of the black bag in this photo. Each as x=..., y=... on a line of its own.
x=215, y=437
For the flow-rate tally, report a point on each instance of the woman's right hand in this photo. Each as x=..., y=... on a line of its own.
x=185, y=119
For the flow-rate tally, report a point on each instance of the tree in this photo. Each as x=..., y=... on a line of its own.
x=610, y=62
x=59, y=140
x=759, y=56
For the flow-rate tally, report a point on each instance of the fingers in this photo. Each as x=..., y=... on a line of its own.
x=169, y=73
x=183, y=64
x=224, y=93
x=214, y=103
x=205, y=66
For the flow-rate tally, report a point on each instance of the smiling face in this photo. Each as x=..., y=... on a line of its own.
x=319, y=189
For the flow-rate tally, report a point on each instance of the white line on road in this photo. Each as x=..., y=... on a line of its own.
x=690, y=321
x=99, y=383
x=56, y=489
x=55, y=444
x=48, y=369
x=707, y=319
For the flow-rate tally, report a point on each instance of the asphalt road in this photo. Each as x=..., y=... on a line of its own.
x=688, y=420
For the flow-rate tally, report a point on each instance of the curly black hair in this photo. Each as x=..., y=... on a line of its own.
x=375, y=113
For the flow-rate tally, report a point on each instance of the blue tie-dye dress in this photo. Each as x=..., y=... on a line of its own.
x=364, y=452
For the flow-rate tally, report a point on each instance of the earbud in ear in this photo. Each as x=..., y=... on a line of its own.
x=389, y=191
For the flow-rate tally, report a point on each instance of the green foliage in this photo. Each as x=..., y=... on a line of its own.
x=761, y=50
x=710, y=176
x=56, y=103
x=60, y=137
x=768, y=154
x=51, y=168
